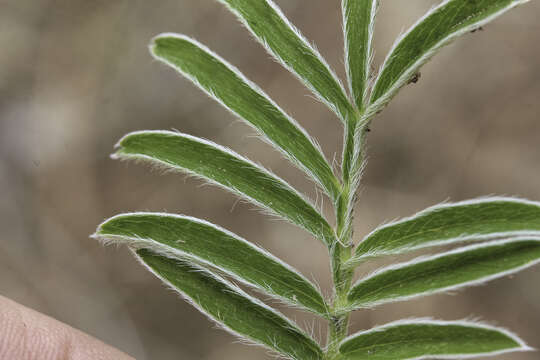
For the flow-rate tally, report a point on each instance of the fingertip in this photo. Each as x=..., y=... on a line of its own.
x=28, y=335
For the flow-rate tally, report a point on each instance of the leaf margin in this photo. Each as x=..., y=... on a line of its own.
x=359, y=99
x=326, y=235
x=455, y=240
x=234, y=289
x=523, y=347
x=180, y=255
x=442, y=290
x=376, y=105
x=329, y=182
x=343, y=114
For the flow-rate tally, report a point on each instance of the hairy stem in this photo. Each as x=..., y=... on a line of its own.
x=338, y=325
x=342, y=250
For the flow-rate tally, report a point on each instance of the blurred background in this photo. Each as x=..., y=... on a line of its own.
x=76, y=75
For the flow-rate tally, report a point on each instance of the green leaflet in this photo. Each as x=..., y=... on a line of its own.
x=227, y=85
x=231, y=308
x=456, y=269
x=268, y=24
x=180, y=236
x=202, y=261
x=228, y=169
x=421, y=339
x=478, y=219
x=437, y=28
x=358, y=20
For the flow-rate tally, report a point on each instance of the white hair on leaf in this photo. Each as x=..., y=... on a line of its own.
x=234, y=289
x=266, y=209
x=137, y=242
x=480, y=281
x=287, y=154
x=402, y=80
x=448, y=241
x=465, y=323
x=310, y=46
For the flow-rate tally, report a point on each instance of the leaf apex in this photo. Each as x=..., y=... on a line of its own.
x=101, y=228
x=167, y=35
x=102, y=237
x=119, y=154
x=95, y=235
x=159, y=41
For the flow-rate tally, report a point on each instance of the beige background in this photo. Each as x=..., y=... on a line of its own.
x=75, y=76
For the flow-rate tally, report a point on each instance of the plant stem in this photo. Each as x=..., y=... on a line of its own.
x=342, y=249
x=338, y=326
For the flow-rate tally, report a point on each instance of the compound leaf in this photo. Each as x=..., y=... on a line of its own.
x=453, y=270
x=359, y=20
x=479, y=219
x=422, y=339
x=179, y=236
x=439, y=27
x=228, y=169
x=228, y=86
x=231, y=308
x=282, y=40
